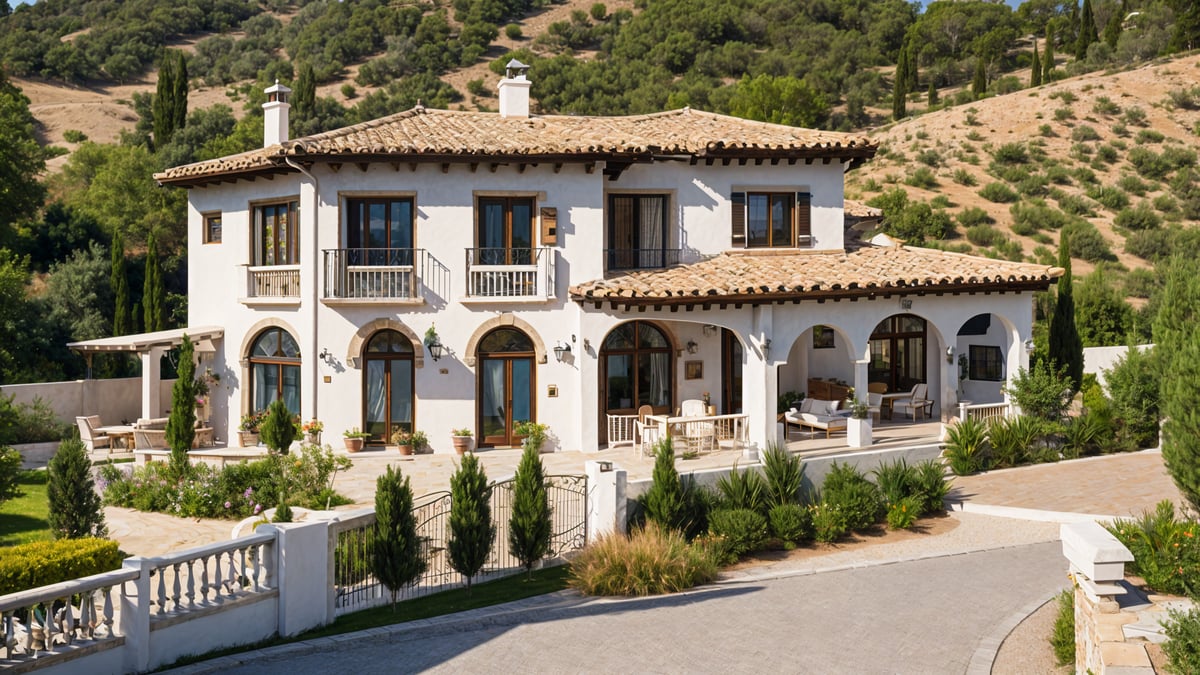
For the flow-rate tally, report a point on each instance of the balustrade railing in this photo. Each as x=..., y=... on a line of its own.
x=62, y=617
x=213, y=574
x=510, y=273
x=985, y=412
x=372, y=273
x=641, y=258
x=273, y=281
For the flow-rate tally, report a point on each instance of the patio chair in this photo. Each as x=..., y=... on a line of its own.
x=91, y=438
x=648, y=434
x=149, y=439
x=694, y=407
x=875, y=405
x=915, y=404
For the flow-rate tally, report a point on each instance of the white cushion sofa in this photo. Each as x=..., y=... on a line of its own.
x=817, y=414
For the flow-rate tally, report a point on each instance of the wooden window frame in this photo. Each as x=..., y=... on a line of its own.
x=207, y=230
x=257, y=224
x=986, y=363
x=799, y=204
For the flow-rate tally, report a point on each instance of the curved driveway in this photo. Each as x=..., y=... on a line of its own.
x=925, y=616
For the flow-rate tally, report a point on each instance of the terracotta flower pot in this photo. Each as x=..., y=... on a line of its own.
x=354, y=444
x=405, y=448
x=462, y=444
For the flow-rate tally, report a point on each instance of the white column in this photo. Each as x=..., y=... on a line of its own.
x=860, y=379
x=760, y=389
x=606, y=499
x=304, y=567
x=151, y=380
x=135, y=616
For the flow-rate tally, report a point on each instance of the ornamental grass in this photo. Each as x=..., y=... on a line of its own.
x=651, y=561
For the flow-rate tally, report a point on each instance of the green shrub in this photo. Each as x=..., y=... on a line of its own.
x=1148, y=163
x=998, y=192
x=1063, y=114
x=930, y=158
x=74, y=136
x=922, y=178
x=1141, y=217
x=1063, y=637
x=941, y=202
x=1113, y=198
x=1150, y=245
x=1133, y=185
x=1119, y=129
x=857, y=499
x=1083, y=133
x=1134, y=116
x=1013, y=440
x=1133, y=383
x=1106, y=154
x=829, y=523
x=744, y=530
x=972, y=216
x=965, y=448
x=742, y=490
x=33, y=422
x=651, y=561
x=1011, y=153
x=1046, y=131
x=785, y=475
x=1033, y=186
x=1075, y=205
x=1081, y=435
x=1182, y=647
x=513, y=31
x=1042, y=392
x=349, y=91
x=791, y=522
x=10, y=473
x=1166, y=549
x=1084, y=175
x=1105, y=106
x=75, y=508
x=663, y=502
x=964, y=177
x=902, y=515
x=43, y=563
x=896, y=480
x=476, y=87
x=1148, y=136
x=984, y=235
x=1087, y=243
x=932, y=485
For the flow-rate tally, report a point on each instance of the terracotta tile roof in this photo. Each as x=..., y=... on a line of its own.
x=861, y=271
x=855, y=209
x=448, y=135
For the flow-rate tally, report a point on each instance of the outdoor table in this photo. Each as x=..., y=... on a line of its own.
x=885, y=406
x=732, y=428
x=118, y=432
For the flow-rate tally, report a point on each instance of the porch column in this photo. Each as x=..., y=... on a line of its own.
x=860, y=379
x=151, y=377
x=760, y=387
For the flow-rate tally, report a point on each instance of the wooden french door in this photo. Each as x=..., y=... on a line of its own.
x=731, y=373
x=505, y=386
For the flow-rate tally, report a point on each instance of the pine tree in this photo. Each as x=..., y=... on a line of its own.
x=1181, y=428
x=181, y=425
x=1048, y=62
x=979, y=83
x=396, y=557
x=1035, y=68
x=1066, y=347
x=278, y=429
x=529, y=527
x=664, y=501
x=74, y=503
x=153, y=292
x=1087, y=31
x=471, y=529
x=1178, y=312
x=120, y=286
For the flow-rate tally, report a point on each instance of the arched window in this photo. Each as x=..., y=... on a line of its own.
x=506, y=385
x=637, y=363
x=387, y=385
x=275, y=370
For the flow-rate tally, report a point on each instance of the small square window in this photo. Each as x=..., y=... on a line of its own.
x=987, y=364
x=212, y=229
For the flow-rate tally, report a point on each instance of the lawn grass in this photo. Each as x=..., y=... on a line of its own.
x=24, y=519
x=491, y=593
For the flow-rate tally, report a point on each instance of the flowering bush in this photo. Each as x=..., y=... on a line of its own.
x=234, y=491
x=253, y=420
x=1165, y=548
x=313, y=426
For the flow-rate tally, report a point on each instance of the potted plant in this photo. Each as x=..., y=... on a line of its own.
x=354, y=439
x=248, y=429
x=858, y=427
x=312, y=431
x=461, y=438
x=535, y=434
x=410, y=441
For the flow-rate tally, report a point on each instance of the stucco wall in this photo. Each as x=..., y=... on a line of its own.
x=113, y=400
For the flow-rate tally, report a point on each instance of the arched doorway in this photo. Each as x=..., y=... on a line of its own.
x=274, y=370
x=505, y=386
x=898, y=352
x=731, y=373
x=387, y=385
x=636, y=369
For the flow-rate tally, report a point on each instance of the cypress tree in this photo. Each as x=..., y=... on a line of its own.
x=163, y=108
x=1087, y=31
x=471, y=529
x=1181, y=429
x=179, y=93
x=120, y=286
x=181, y=425
x=74, y=503
x=135, y=318
x=1048, y=62
x=899, y=89
x=529, y=527
x=979, y=83
x=664, y=501
x=933, y=94
x=1112, y=29
x=396, y=558
x=1035, y=68
x=278, y=429
x=1178, y=312
x=910, y=54
x=1066, y=347
x=153, y=292
x=304, y=98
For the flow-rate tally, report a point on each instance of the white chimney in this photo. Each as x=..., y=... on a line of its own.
x=514, y=90
x=275, y=115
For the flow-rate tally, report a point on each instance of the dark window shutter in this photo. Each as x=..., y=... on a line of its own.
x=549, y=225
x=804, y=219
x=738, y=220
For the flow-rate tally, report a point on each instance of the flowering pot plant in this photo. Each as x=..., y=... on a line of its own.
x=410, y=441
x=354, y=439
x=252, y=421
x=860, y=410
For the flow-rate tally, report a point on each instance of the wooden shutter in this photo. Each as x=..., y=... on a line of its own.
x=549, y=225
x=737, y=227
x=804, y=236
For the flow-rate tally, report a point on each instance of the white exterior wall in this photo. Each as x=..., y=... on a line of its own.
x=445, y=227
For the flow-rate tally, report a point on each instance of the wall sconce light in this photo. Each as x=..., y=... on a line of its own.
x=434, y=344
x=905, y=303
x=950, y=354
x=692, y=347
x=327, y=357
x=605, y=466
x=562, y=349
x=766, y=349
x=709, y=330
x=1029, y=346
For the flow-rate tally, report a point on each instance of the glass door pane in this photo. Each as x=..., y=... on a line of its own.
x=521, y=233
x=291, y=388
x=493, y=402
x=522, y=390
x=401, y=232
x=400, y=395
x=491, y=233
x=374, y=418
x=620, y=383
x=266, y=384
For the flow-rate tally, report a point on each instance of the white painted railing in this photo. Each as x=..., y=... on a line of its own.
x=510, y=273
x=273, y=281
x=621, y=429
x=372, y=273
x=62, y=618
x=985, y=412
x=210, y=575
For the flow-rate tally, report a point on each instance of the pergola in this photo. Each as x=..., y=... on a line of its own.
x=150, y=347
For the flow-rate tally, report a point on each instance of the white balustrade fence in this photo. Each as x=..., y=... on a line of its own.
x=985, y=412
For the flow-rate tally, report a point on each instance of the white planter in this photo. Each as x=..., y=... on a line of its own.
x=858, y=433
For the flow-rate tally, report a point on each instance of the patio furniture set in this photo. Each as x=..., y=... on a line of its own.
x=822, y=415
x=144, y=434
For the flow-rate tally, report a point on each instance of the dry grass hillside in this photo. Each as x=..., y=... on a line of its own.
x=1078, y=135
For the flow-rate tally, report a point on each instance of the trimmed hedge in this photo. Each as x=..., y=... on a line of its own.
x=49, y=562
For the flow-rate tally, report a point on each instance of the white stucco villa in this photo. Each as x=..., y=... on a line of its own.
x=445, y=269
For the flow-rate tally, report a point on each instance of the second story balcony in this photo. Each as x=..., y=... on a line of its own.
x=272, y=284
x=367, y=275
x=510, y=274
x=624, y=259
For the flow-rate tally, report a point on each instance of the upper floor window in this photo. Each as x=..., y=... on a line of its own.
x=212, y=228
x=771, y=219
x=277, y=234
x=637, y=232
x=379, y=230
x=505, y=231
